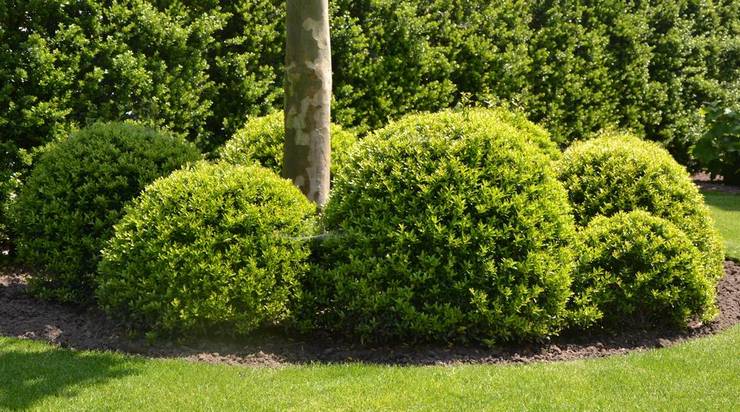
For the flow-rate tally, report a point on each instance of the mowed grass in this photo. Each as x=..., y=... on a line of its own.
x=699, y=375
x=725, y=209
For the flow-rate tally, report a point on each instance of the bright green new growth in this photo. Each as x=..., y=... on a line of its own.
x=532, y=132
x=215, y=248
x=635, y=267
x=261, y=140
x=448, y=227
x=620, y=173
x=76, y=192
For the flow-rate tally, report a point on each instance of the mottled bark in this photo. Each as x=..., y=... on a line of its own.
x=308, y=98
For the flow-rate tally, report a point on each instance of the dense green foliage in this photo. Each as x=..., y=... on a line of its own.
x=448, y=226
x=8, y=185
x=718, y=150
x=620, y=173
x=76, y=192
x=215, y=248
x=261, y=141
x=203, y=68
x=635, y=267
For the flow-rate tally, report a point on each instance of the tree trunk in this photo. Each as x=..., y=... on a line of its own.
x=308, y=98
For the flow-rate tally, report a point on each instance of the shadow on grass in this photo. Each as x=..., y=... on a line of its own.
x=29, y=377
x=724, y=201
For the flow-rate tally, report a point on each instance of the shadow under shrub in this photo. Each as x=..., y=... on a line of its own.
x=262, y=139
x=76, y=192
x=443, y=227
x=215, y=248
x=637, y=268
x=620, y=173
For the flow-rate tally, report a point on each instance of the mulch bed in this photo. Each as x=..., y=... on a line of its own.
x=22, y=316
x=704, y=181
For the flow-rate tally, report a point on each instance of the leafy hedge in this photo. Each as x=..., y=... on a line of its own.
x=203, y=68
x=261, y=141
x=448, y=226
x=214, y=248
x=621, y=173
x=718, y=150
x=637, y=268
x=76, y=192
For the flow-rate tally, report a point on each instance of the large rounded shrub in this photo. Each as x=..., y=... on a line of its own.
x=448, y=226
x=76, y=192
x=217, y=248
x=261, y=142
x=619, y=172
x=635, y=267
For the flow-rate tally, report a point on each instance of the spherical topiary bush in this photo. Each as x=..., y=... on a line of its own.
x=619, y=172
x=447, y=226
x=635, y=267
x=217, y=247
x=261, y=141
x=76, y=192
x=530, y=131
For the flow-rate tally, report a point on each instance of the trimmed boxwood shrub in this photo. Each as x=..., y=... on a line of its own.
x=635, y=267
x=216, y=248
x=448, y=226
x=76, y=192
x=262, y=139
x=620, y=173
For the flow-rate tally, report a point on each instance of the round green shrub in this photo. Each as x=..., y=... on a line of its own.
x=261, y=141
x=635, y=267
x=76, y=192
x=620, y=173
x=530, y=131
x=447, y=226
x=215, y=248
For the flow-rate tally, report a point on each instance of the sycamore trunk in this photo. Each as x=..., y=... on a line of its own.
x=308, y=98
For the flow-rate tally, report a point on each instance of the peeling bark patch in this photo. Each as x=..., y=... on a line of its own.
x=308, y=97
x=316, y=28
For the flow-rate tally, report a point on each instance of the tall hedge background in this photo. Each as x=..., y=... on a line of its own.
x=203, y=67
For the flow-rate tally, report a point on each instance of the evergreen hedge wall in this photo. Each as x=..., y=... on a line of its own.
x=202, y=68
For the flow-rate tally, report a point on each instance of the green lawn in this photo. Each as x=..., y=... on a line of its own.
x=726, y=212
x=700, y=375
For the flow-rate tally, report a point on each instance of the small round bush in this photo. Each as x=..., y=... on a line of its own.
x=637, y=268
x=217, y=248
x=620, y=172
x=76, y=192
x=443, y=227
x=261, y=142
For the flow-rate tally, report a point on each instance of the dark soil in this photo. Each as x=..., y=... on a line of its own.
x=704, y=181
x=25, y=317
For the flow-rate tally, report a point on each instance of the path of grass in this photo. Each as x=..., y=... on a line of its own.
x=699, y=375
x=725, y=209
